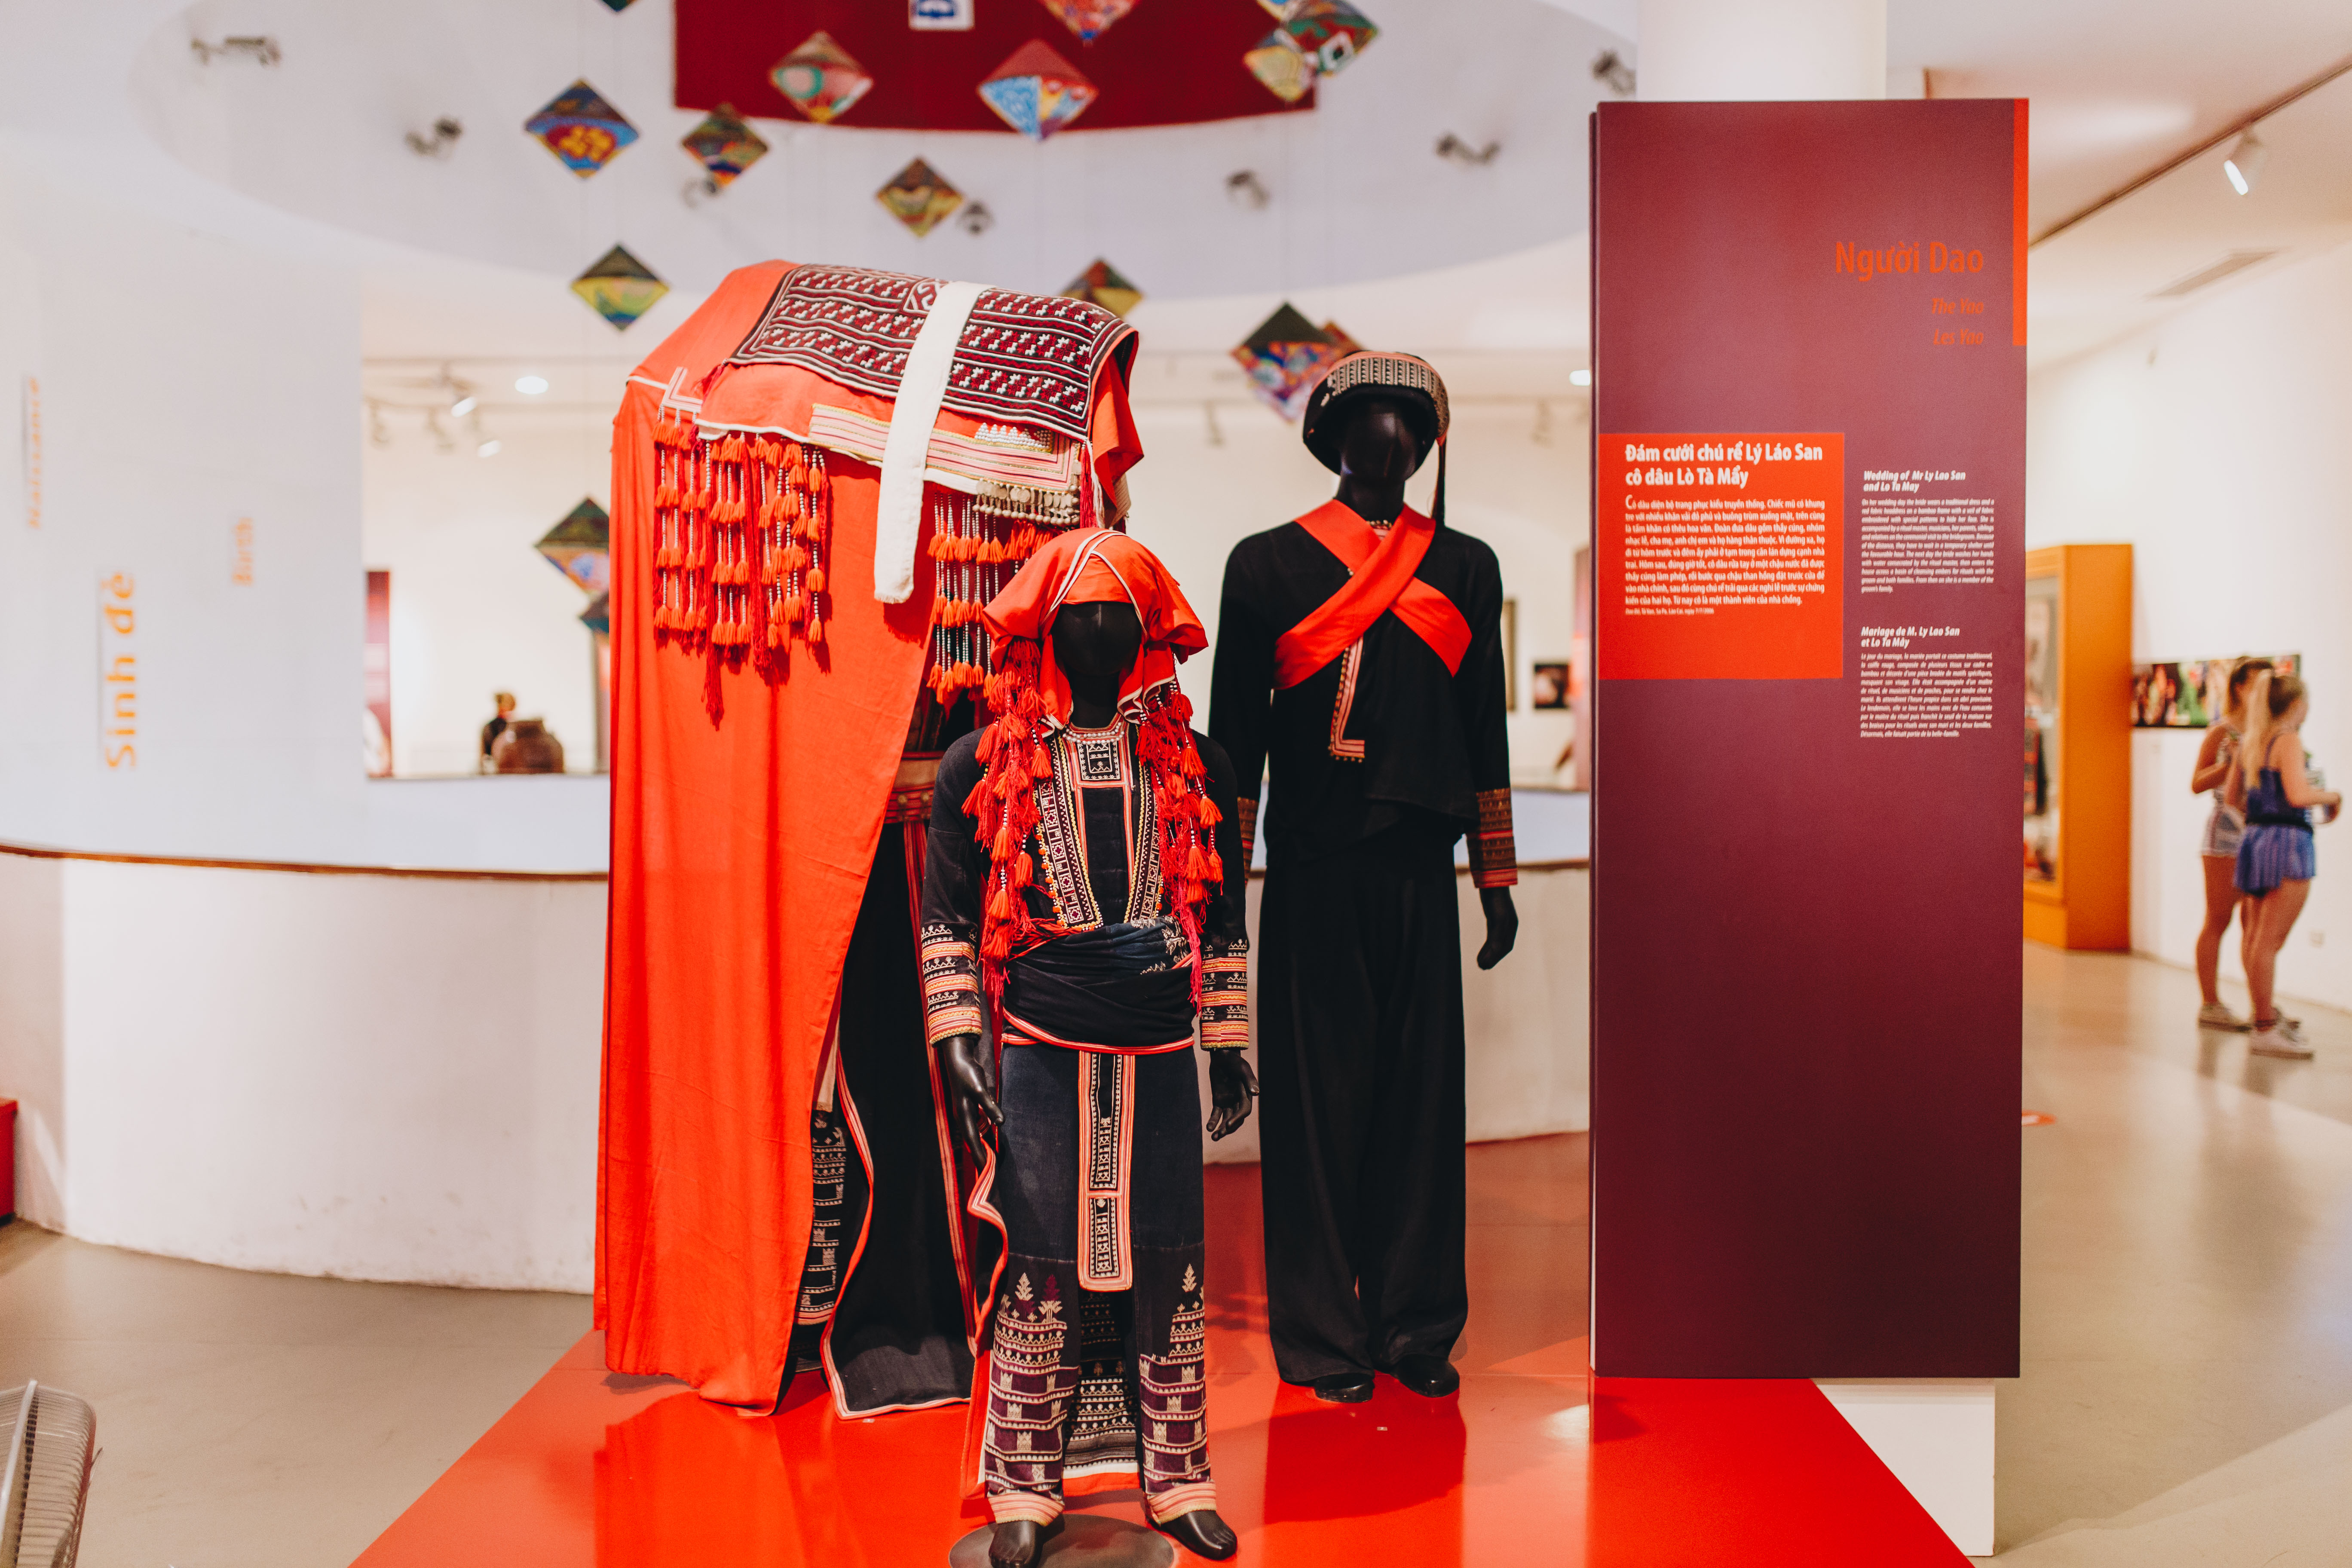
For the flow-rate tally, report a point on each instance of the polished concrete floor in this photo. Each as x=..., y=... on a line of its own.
x=2188, y=1329
x=2187, y=1396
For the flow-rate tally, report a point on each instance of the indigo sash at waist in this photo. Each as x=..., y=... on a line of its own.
x=1126, y=988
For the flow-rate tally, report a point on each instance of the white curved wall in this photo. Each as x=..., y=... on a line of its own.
x=366, y=1077
x=395, y=1077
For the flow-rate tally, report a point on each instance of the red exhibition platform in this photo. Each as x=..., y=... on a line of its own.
x=1535, y=1461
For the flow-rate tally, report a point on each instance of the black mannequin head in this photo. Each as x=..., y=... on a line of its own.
x=1096, y=645
x=1379, y=450
x=1379, y=446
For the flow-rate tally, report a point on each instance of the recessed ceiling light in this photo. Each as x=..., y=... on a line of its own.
x=486, y=449
x=463, y=406
x=2244, y=163
x=530, y=385
x=1579, y=378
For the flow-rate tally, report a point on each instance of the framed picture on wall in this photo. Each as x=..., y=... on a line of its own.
x=1549, y=685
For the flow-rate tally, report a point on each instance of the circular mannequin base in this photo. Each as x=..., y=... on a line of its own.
x=1078, y=1540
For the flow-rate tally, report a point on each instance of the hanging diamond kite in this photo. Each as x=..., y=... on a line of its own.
x=1317, y=38
x=1036, y=91
x=1101, y=284
x=726, y=145
x=580, y=547
x=598, y=616
x=619, y=288
x=920, y=196
x=1089, y=19
x=1285, y=358
x=579, y=127
x=1280, y=67
x=1329, y=33
x=618, y=4
x=821, y=79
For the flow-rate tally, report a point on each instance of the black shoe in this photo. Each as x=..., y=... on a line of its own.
x=1431, y=1377
x=1344, y=1388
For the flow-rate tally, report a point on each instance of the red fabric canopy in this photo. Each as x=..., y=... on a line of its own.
x=747, y=808
x=1167, y=62
x=745, y=815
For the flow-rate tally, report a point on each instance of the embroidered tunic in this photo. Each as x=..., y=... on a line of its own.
x=1092, y=1374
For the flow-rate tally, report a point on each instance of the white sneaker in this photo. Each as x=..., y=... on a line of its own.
x=2282, y=1039
x=2217, y=1016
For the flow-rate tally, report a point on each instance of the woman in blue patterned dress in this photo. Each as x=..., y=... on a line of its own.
x=2275, y=863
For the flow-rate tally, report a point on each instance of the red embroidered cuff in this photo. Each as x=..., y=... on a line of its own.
x=950, y=968
x=1494, y=853
x=1225, y=998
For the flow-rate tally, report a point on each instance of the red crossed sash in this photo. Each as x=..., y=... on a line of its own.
x=1380, y=577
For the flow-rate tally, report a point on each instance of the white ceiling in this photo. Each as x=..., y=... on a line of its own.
x=465, y=258
x=323, y=135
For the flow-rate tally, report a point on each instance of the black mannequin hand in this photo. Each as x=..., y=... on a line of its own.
x=1232, y=1086
x=1502, y=926
x=971, y=1087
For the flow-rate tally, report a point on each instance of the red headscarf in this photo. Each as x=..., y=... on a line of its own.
x=1089, y=566
x=1031, y=698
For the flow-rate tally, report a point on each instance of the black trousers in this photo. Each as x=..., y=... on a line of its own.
x=1360, y=1057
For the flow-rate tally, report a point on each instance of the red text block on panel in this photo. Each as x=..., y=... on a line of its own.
x=1722, y=556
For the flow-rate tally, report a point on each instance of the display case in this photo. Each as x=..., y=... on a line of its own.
x=2077, y=745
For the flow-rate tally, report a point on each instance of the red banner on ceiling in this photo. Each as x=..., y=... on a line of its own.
x=1166, y=62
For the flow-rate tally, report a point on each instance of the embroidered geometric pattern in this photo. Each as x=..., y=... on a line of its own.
x=1494, y=852
x=1174, y=1417
x=1030, y=1393
x=1224, y=996
x=1060, y=842
x=1102, y=1431
x=951, y=969
x=1107, y=1112
x=1102, y=755
x=1387, y=370
x=1024, y=358
x=1064, y=1400
x=1350, y=667
x=829, y=1172
x=1248, y=803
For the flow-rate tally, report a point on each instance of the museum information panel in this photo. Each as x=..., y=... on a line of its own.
x=1809, y=466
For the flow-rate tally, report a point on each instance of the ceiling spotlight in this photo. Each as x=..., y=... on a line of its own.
x=530, y=385
x=467, y=402
x=1453, y=147
x=486, y=449
x=260, y=49
x=1613, y=73
x=1244, y=189
x=2244, y=163
x=1579, y=378
x=441, y=142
